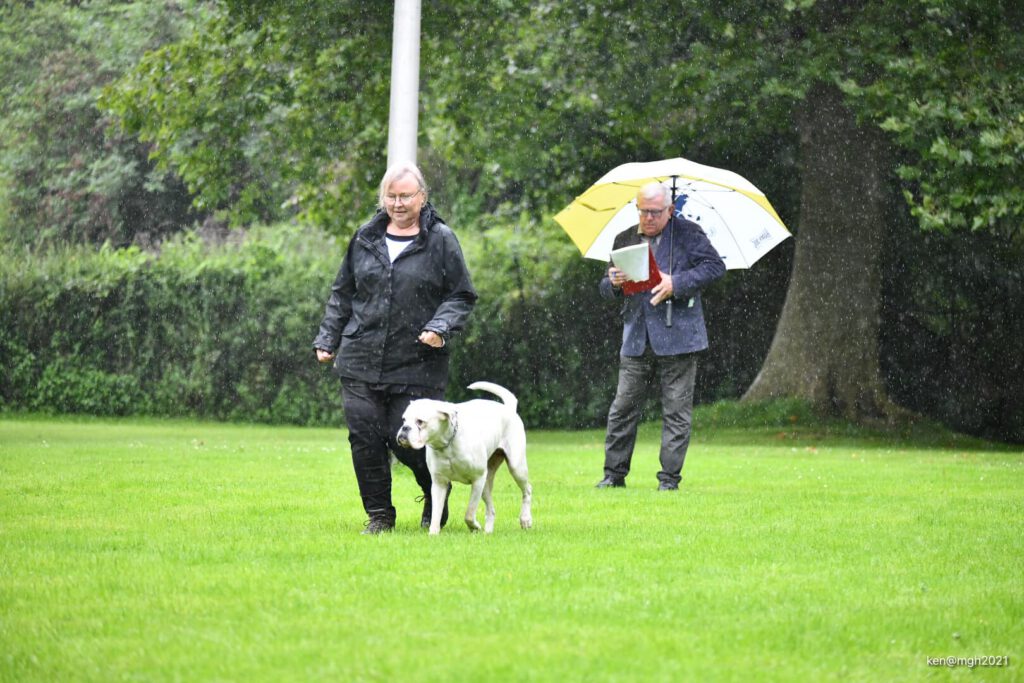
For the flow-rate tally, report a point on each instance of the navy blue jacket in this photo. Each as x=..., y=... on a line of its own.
x=695, y=265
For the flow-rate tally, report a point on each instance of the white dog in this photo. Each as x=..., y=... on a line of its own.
x=466, y=442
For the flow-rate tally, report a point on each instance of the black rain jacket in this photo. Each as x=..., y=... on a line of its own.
x=377, y=309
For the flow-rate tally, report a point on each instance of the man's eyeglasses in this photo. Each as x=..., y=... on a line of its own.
x=404, y=198
x=652, y=213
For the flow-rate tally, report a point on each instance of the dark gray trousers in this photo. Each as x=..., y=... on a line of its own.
x=374, y=416
x=637, y=377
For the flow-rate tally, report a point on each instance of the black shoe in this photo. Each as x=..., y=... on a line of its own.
x=428, y=507
x=611, y=482
x=668, y=486
x=378, y=525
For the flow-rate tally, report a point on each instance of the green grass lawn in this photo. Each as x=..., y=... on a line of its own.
x=151, y=550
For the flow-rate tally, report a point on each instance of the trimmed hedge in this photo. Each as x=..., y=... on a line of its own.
x=225, y=332
x=215, y=333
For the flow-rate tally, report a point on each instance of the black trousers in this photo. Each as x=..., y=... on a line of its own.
x=374, y=416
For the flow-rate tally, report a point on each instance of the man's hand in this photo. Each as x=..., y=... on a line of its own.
x=324, y=356
x=662, y=290
x=616, y=276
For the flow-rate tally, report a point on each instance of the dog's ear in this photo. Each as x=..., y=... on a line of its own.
x=445, y=411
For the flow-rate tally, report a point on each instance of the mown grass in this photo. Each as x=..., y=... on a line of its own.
x=156, y=550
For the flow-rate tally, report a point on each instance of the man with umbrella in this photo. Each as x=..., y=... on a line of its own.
x=657, y=341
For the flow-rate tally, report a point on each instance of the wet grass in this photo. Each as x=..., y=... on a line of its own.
x=184, y=551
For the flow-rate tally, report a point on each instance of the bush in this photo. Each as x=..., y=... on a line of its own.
x=220, y=333
x=66, y=387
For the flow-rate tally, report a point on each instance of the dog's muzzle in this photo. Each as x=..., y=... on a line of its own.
x=403, y=436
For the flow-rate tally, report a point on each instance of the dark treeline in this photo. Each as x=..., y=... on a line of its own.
x=177, y=181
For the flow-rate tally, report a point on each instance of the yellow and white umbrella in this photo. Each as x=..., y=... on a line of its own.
x=735, y=215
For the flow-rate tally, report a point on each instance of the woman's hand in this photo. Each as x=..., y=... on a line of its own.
x=431, y=339
x=324, y=356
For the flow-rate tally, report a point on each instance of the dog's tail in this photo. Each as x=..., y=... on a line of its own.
x=506, y=396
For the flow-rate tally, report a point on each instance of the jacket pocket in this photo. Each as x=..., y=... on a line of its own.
x=426, y=351
x=352, y=329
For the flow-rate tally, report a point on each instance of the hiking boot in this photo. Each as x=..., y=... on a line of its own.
x=378, y=525
x=428, y=509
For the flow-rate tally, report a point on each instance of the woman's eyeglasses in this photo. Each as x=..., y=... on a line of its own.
x=404, y=198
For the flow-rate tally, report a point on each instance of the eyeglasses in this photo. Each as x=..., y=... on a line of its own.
x=652, y=213
x=404, y=198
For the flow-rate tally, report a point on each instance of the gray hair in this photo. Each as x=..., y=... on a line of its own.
x=655, y=190
x=400, y=170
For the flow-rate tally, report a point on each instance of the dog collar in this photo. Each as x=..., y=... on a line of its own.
x=455, y=430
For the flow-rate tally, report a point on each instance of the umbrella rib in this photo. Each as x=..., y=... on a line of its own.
x=594, y=208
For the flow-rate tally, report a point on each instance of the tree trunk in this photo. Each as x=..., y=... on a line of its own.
x=825, y=348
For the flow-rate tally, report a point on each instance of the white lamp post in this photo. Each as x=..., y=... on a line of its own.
x=405, y=83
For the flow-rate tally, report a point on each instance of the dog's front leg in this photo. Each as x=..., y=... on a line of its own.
x=474, y=499
x=438, y=495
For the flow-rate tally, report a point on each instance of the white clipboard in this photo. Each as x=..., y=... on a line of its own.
x=634, y=261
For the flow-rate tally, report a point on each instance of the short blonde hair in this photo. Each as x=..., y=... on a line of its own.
x=400, y=170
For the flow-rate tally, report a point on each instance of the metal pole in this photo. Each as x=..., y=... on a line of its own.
x=405, y=83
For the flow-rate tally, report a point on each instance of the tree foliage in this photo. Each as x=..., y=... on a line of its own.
x=841, y=73
x=64, y=175
x=269, y=110
x=940, y=77
x=953, y=99
x=281, y=103
x=260, y=114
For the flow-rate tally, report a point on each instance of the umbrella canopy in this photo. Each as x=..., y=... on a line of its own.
x=734, y=214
